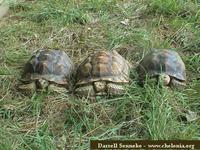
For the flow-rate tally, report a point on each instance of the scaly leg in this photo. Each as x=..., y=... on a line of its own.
x=55, y=88
x=115, y=89
x=177, y=83
x=29, y=88
x=85, y=91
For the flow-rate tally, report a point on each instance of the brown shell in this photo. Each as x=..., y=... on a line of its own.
x=52, y=65
x=103, y=65
x=162, y=61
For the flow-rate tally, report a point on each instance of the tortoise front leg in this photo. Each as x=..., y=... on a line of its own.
x=177, y=83
x=29, y=88
x=55, y=88
x=85, y=91
x=115, y=89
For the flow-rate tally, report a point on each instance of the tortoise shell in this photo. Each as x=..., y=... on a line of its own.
x=103, y=66
x=162, y=61
x=51, y=65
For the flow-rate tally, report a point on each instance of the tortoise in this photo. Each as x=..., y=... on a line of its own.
x=47, y=70
x=164, y=64
x=102, y=73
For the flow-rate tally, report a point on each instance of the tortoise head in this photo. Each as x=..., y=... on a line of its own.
x=164, y=79
x=100, y=86
x=42, y=84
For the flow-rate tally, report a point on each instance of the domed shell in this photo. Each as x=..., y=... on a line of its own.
x=105, y=66
x=162, y=61
x=52, y=65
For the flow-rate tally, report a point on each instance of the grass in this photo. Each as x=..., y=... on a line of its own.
x=48, y=121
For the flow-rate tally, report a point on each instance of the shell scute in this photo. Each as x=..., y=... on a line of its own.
x=104, y=66
x=162, y=61
x=52, y=65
